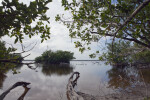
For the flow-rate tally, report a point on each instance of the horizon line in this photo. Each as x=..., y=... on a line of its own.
x=70, y=60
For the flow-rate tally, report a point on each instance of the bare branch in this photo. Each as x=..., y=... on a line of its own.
x=13, y=61
x=26, y=89
x=26, y=56
x=31, y=67
x=23, y=48
x=126, y=38
x=71, y=93
x=24, y=84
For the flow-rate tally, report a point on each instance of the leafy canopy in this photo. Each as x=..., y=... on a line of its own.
x=8, y=54
x=19, y=19
x=50, y=57
x=123, y=19
x=125, y=53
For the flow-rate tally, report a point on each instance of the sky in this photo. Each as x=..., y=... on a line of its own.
x=59, y=38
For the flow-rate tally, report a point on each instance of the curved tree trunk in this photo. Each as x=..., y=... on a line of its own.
x=72, y=94
x=24, y=84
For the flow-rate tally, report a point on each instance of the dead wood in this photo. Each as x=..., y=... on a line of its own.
x=24, y=84
x=71, y=93
x=74, y=95
x=26, y=89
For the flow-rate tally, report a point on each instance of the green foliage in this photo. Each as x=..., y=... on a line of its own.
x=7, y=54
x=38, y=59
x=124, y=53
x=142, y=56
x=104, y=17
x=92, y=55
x=118, y=54
x=17, y=17
x=147, y=98
x=50, y=57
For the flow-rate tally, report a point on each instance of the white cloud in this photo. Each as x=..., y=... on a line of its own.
x=59, y=40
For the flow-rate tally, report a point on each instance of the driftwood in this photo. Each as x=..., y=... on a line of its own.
x=72, y=94
x=24, y=84
x=26, y=89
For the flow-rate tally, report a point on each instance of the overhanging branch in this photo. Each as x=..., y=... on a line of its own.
x=125, y=38
x=146, y=2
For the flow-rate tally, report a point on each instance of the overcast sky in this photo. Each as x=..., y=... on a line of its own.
x=59, y=40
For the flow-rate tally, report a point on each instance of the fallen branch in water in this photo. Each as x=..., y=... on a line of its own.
x=24, y=84
x=71, y=93
x=23, y=63
x=19, y=60
x=26, y=89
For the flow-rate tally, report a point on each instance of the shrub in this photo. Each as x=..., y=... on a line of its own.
x=124, y=53
x=7, y=56
x=118, y=54
x=50, y=57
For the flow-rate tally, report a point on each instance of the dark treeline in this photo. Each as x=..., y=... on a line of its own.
x=51, y=57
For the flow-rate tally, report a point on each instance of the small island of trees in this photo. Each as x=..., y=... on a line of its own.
x=57, y=57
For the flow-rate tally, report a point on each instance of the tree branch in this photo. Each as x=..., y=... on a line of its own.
x=131, y=39
x=140, y=36
x=146, y=2
x=71, y=93
x=23, y=48
x=142, y=5
x=26, y=89
x=13, y=61
x=125, y=38
x=24, y=84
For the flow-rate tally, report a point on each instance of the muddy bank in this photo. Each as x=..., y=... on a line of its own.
x=134, y=93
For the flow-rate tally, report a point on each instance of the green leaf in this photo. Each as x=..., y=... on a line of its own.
x=29, y=35
x=97, y=51
x=42, y=40
x=16, y=40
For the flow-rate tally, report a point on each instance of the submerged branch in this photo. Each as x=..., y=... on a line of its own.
x=26, y=89
x=71, y=93
x=24, y=84
x=74, y=95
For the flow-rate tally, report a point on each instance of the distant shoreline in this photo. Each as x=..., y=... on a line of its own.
x=70, y=60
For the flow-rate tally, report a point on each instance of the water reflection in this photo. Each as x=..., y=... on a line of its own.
x=124, y=78
x=62, y=69
x=145, y=75
x=2, y=79
x=18, y=66
x=114, y=80
x=92, y=76
x=4, y=70
x=42, y=86
x=23, y=84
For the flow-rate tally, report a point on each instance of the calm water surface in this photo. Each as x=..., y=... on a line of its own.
x=49, y=83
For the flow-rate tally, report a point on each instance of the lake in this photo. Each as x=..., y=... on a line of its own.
x=49, y=82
